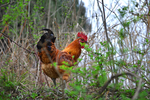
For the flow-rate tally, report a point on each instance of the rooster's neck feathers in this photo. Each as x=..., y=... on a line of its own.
x=74, y=48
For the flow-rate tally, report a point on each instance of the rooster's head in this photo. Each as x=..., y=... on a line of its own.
x=82, y=38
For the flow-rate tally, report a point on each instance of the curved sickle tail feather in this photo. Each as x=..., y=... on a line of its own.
x=46, y=39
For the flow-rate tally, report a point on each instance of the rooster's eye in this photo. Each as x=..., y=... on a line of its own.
x=82, y=39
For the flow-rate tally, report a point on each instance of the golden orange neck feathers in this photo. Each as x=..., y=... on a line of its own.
x=74, y=48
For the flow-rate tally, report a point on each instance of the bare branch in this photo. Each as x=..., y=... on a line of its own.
x=121, y=74
x=137, y=90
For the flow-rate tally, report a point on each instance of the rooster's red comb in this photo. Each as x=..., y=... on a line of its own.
x=82, y=35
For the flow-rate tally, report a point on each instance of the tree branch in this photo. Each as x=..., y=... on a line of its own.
x=121, y=74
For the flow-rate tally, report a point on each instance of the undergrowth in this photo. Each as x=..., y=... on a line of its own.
x=85, y=84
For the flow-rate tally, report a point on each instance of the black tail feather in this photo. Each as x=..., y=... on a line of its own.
x=45, y=39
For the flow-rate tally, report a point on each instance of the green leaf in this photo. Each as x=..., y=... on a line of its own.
x=1, y=37
x=126, y=24
x=147, y=40
x=79, y=59
x=89, y=49
x=33, y=95
x=75, y=63
x=73, y=56
x=54, y=64
x=86, y=46
x=135, y=65
x=65, y=63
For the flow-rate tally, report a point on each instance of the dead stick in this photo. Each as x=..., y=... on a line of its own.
x=118, y=75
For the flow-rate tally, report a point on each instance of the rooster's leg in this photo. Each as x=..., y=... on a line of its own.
x=54, y=81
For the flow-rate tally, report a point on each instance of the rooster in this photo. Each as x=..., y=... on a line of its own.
x=49, y=54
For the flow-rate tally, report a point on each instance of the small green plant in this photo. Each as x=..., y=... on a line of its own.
x=34, y=95
x=8, y=83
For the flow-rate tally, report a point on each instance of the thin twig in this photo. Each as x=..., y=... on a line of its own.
x=37, y=73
